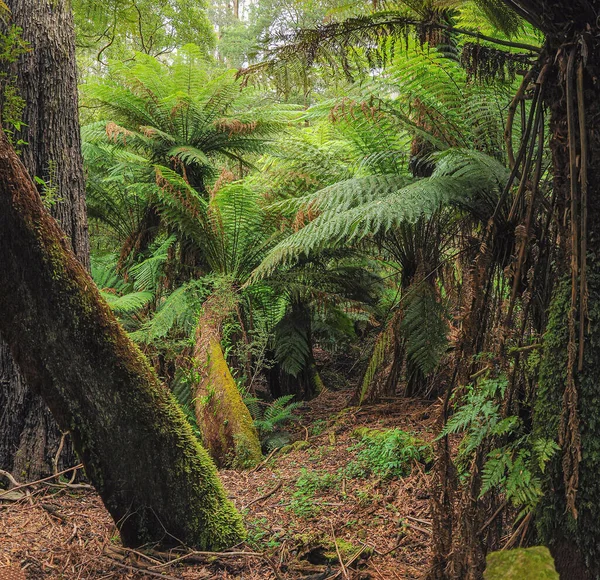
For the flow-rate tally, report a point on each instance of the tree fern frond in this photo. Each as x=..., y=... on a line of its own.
x=424, y=327
x=128, y=303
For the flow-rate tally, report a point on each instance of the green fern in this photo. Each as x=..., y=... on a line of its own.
x=276, y=415
x=424, y=327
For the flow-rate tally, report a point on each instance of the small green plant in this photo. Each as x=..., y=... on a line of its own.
x=309, y=483
x=318, y=427
x=387, y=454
x=516, y=460
x=276, y=414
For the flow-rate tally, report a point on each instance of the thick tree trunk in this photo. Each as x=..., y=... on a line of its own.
x=573, y=481
x=224, y=421
x=138, y=450
x=46, y=78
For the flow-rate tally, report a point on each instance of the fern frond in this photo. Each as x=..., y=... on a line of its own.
x=424, y=327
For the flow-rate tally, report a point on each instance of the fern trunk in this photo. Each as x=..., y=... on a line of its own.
x=224, y=421
x=138, y=450
x=574, y=422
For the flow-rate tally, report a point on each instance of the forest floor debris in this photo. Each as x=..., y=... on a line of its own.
x=308, y=515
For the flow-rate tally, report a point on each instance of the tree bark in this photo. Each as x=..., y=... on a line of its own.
x=138, y=450
x=224, y=421
x=46, y=78
x=572, y=534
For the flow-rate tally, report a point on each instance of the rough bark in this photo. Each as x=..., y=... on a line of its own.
x=382, y=374
x=46, y=78
x=573, y=535
x=223, y=418
x=138, y=450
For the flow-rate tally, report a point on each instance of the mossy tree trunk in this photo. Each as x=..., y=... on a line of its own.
x=46, y=79
x=382, y=374
x=224, y=421
x=138, y=450
x=569, y=519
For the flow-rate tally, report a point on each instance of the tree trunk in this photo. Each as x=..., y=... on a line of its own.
x=46, y=78
x=382, y=374
x=569, y=519
x=223, y=419
x=138, y=450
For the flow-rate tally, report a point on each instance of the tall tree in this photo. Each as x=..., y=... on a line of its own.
x=46, y=79
x=155, y=479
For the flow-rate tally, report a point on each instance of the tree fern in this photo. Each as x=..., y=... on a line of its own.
x=424, y=327
x=462, y=179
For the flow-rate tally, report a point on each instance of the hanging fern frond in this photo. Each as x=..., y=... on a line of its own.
x=424, y=327
x=178, y=311
x=128, y=303
x=292, y=347
x=461, y=178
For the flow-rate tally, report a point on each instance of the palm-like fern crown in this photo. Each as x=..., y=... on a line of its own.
x=181, y=117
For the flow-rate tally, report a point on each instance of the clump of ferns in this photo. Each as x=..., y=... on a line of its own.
x=514, y=459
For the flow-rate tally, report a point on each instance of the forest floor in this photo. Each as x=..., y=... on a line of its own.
x=306, y=518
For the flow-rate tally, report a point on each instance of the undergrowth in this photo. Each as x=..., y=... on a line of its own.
x=387, y=454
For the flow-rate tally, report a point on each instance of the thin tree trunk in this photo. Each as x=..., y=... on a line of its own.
x=46, y=78
x=138, y=450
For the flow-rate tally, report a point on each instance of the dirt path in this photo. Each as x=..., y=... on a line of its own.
x=306, y=508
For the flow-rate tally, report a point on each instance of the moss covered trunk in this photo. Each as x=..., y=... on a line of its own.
x=156, y=481
x=46, y=78
x=569, y=519
x=224, y=420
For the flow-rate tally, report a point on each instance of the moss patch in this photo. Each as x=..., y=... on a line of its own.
x=521, y=564
x=225, y=423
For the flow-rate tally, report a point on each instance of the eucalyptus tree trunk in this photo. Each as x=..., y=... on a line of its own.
x=138, y=450
x=46, y=78
x=224, y=421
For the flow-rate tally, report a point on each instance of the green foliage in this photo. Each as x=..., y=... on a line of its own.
x=388, y=454
x=12, y=104
x=308, y=486
x=277, y=414
x=116, y=29
x=517, y=459
x=380, y=205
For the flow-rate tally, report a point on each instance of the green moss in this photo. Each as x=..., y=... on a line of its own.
x=521, y=564
x=346, y=549
x=296, y=446
x=224, y=421
x=554, y=521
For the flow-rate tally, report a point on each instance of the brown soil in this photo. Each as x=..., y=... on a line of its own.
x=62, y=533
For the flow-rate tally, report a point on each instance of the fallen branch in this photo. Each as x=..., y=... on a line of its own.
x=337, y=551
x=425, y=522
x=265, y=496
x=199, y=557
x=264, y=461
x=32, y=483
x=10, y=478
x=419, y=529
x=141, y=570
x=351, y=561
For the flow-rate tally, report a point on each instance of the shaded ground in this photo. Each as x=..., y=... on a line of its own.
x=378, y=529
